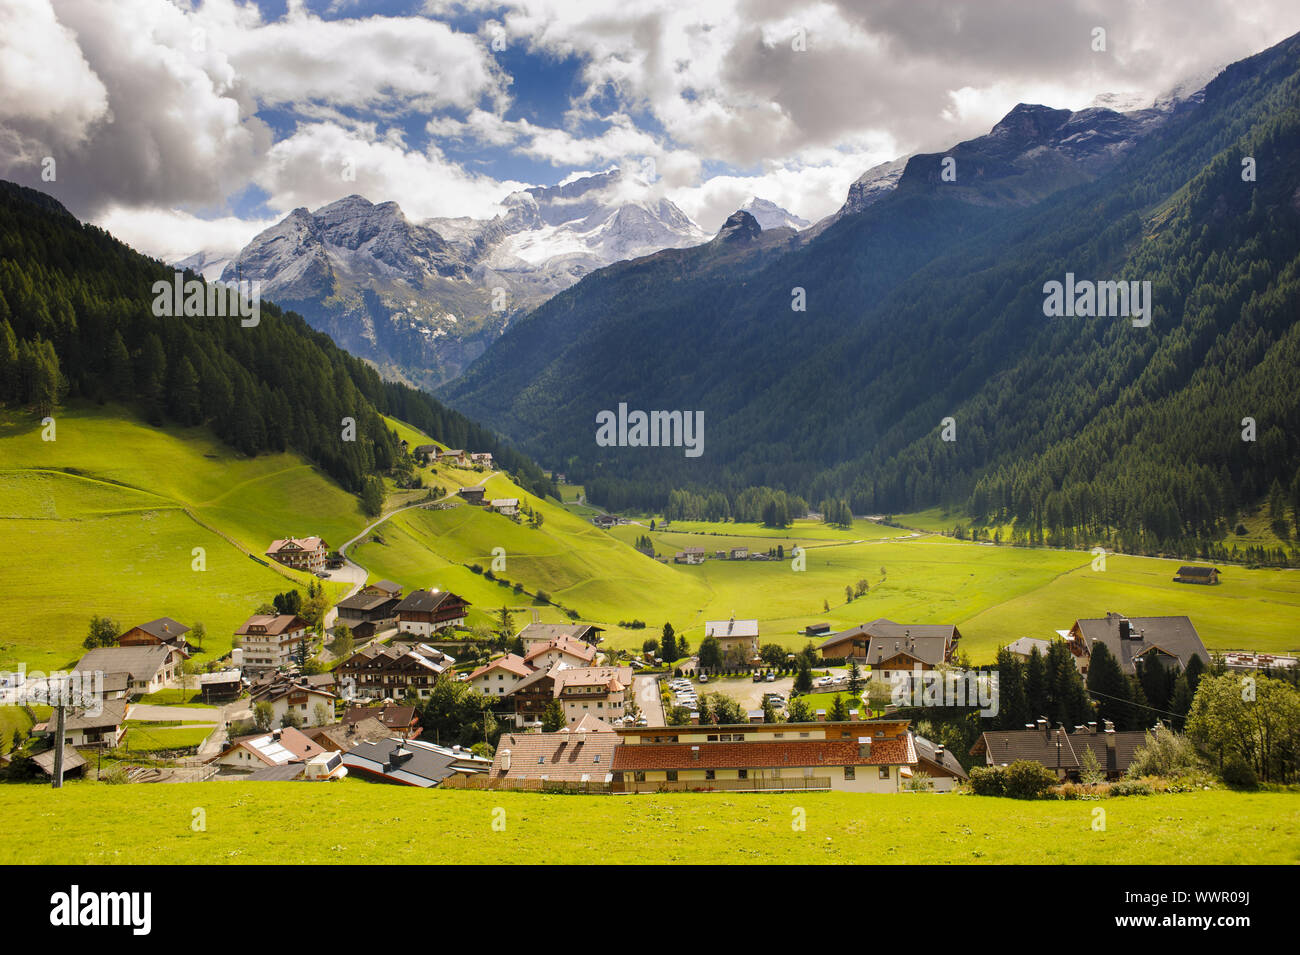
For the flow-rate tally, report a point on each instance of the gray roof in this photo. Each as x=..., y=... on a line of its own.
x=925, y=749
x=164, y=628
x=113, y=712
x=929, y=643
x=1173, y=635
x=71, y=760
x=143, y=663
x=1026, y=645
x=423, y=766
x=422, y=601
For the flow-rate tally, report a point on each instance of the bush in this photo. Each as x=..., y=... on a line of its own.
x=1072, y=790
x=1164, y=753
x=1132, y=787
x=988, y=781
x=1239, y=774
x=1026, y=779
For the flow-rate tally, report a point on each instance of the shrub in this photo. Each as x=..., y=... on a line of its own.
x=988, y=781
x=1132, y=787
x=1239, y=774
x=1164, y=753
x=1026, y=779
x=1072, y=790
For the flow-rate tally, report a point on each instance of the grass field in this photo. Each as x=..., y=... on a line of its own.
x=111, y=511
x=274, y=823
x=105, y=519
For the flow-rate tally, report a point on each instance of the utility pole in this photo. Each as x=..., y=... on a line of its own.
x=60, y=718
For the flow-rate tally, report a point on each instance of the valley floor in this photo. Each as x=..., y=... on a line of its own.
x=358, y=822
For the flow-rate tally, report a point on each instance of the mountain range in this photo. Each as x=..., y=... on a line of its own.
x=827, y=361
x=421, y=300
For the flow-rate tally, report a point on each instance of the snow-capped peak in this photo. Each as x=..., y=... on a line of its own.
x=771, y=216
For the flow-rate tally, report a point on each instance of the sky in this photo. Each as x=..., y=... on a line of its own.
x=184, y=126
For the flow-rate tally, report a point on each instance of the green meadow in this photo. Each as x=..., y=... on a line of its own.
x=274, y=823
x=105, y=520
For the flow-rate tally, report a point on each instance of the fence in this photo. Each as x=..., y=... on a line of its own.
x=628, y=787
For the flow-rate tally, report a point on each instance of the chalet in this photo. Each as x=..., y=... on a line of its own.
x=543, y=654
x=1060, y=751
x=739, y=553
x=106, y=729
x=535, y=633
x=853, y=756
x=292, y=698
x=581, y=754
x=457, y=457
x=368, y=611
x=412, y=762
x=737, y=639
x=1168, y=641
x=300, y=553
x=602, y=692
x=482, y=459
x=939, y=763
x=399, y=720
x=271, y=641
x=164, y=630
x=424, y=612
x=605, y=521
x=473, y=495
x=277, y=748
x=386, y=588
x=148, y=668
x=508, y=506
x=817, y=629
x=343, y=736
x=1197, y=575
x=533, y=694
x=427, y=453
x=890, y=648
x=499, y=677
x=388, y=672
x=1024, y=647
x=691, y=555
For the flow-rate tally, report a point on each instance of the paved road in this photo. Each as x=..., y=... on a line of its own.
x=190, y=714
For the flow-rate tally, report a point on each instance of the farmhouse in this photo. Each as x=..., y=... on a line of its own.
x=737, y=639
x=739, y=553
x=457, y=457
x=1024, y=647
x=379, y=672
x=367, y=612
x=508, y=506
x=890, y=648
x=106, y=729
x=536, y=633
x=278, y=748
x=533, y=694
x=473, y=495
x=300, y=553
x=220, y=686
x=424, y=612
x=1197, y=575
x=482, y=459
x=691, y=555
x=148, y=668
x=294, y=698
x=1169, y=641
x=426, y=452
x=271, y=641
x=1060, y=751
x=164, y=630
x=500, y=677
x=412, y=762
x=543, y=654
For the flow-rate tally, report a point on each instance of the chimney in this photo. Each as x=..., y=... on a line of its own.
x=695, y=753
x=1125, y=628
x=821, y=716
x=853, y=714
x=864, y=747
x=938, y=753
x=1043, y=724
x=1092, y=726
x=695, y=717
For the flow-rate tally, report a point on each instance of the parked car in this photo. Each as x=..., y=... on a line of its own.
x=704, y=678
x=758, y=676
x=771, y=678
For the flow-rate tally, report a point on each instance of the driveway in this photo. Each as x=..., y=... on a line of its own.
x=645, y=691
x=189, y=714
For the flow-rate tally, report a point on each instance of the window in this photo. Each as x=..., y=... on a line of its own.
x=710, y=774
x=639, y=776
x=884, y=772
x=672, y=775
x=742, y=774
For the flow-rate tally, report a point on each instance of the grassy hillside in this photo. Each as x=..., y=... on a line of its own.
x=105, y=518
x=91, y=823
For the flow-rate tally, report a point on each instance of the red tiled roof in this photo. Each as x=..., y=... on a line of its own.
x=760, y=755
x=511, y=663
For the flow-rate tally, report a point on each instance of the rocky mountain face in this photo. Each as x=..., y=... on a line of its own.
x=421, y=300
x=771, y=216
